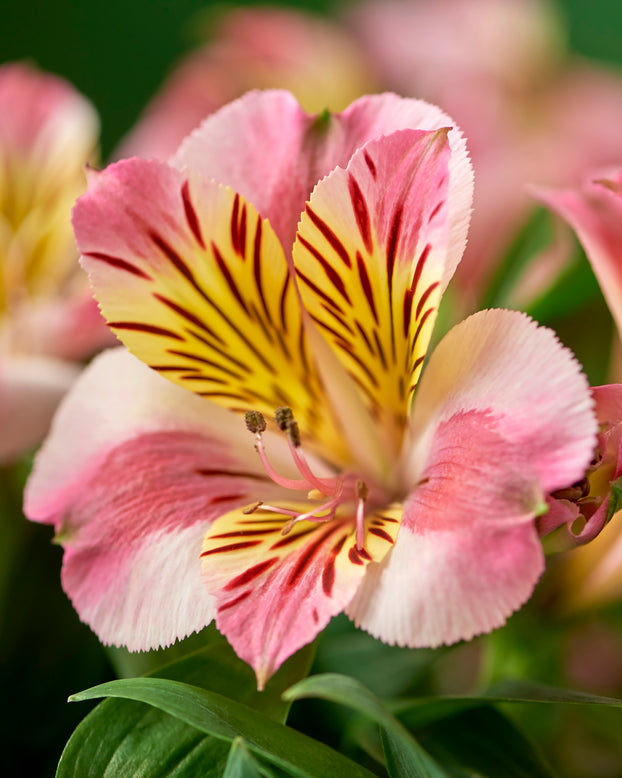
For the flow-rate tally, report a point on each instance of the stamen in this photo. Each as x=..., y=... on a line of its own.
x=255, y=422
x=288, y=483
x=361, y=495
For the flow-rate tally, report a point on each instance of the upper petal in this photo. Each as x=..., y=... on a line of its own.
x=196, y=284
x=370, y=257
x=270, y=151
x=595, y=213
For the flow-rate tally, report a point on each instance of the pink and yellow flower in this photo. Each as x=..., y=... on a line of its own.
x=416, y=518
x=47, y=318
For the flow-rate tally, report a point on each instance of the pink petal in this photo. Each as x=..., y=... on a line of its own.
x=502, y=416
x=30, y=389
x=370, y=257
x=595, y=213
x=276, y=592
x=438, y=587
x=132, y=493
x=255, y=143
x=503, y=365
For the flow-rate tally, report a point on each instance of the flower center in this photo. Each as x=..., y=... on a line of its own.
x=331, y=493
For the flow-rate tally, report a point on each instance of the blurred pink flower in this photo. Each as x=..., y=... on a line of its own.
x=594, y=211
x=47, y=317
x=418, y=521
x=531, y=113
x=252, y=48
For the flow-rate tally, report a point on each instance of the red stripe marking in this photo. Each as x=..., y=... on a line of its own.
x=222, y=266
x=370, y=163
x=354, y=557
x=242, y=233
x=257, y=268
x=248, y=575
x=203, y=361
x=235, y=601
x=360, y=211
x=419, y=267
x=425, y=296
x=355, y=358
x=380, y=349
x=380, y=533
x=288, y=539
x=235, y=237
x=435, y=210
x=174, y=257
x=389, y=519
x=407, y=311
x=366, y=285
x=328, y=574
x=330, y=236
x=330, y=272
x=307, y=557
x=282, y=308
x=220, y=473
x=191, y=215
x=227, y=498
x=422, y=321
x=231, y=547
x=120, y=264
x=318, y=291
x=140, y=327
x=183, y=312
x=363, y=334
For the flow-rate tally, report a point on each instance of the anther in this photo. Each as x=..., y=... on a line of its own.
x=255, y=421
x=293, y=433
x=361, y=490
x=283, y=417
x=251, y=508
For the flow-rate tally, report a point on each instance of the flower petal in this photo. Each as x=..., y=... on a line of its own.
x=132, y=493
x=500, y=363
x=370, y=258
x=438, y=587
x=30, y=389
x=197, y=286
x=270, y=151
x=595, y=213
x=276, y=592
x=503, y=416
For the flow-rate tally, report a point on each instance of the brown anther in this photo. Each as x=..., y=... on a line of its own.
x=255, y=421
x=283, y=417
x=362, y=490
x=293, y=433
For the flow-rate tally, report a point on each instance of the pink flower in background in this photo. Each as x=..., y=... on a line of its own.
x=531, y=113
x=47, y=317
x=418, y=520
x=594, y=211
x=252, y=48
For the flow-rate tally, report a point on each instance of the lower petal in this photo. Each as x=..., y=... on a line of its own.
x=441, y=587
x=275, y=592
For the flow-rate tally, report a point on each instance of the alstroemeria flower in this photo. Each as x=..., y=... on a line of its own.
x=417, y=520
x=47, y=317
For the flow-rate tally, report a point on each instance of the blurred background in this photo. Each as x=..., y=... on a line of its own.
x=118, y=54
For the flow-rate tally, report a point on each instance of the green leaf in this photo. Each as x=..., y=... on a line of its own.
x=240, y=764
x=121, y=737
x=615, y=498
x=404, y=756
x=227, y=719
x=486, y=742
x=425, y=710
